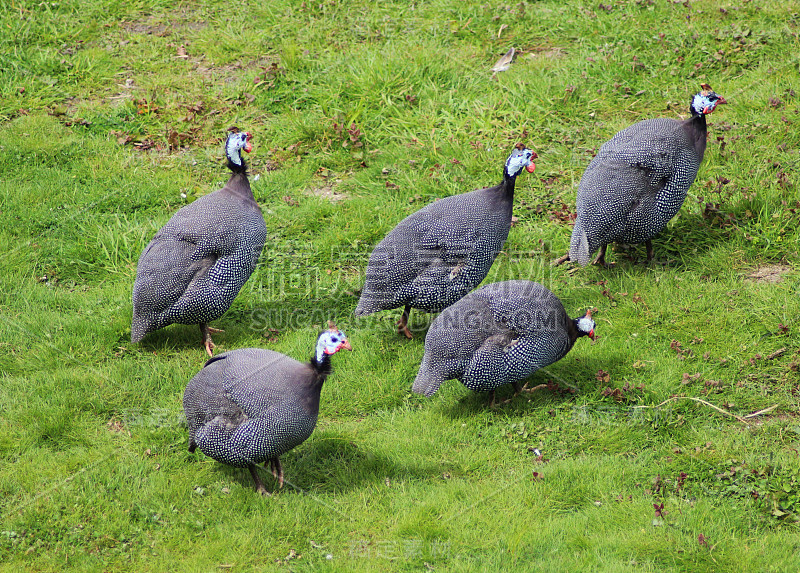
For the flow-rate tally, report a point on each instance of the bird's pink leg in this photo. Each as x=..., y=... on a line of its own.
x=402, y=324
x=206, y=331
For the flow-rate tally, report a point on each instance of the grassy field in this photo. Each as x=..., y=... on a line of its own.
x=112, y=116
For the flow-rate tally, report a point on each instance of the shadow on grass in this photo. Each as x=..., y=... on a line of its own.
x=334, y=463
x=329, y=463
x=556, y=393
x=172, y=338
x=678, y=246
x=475, y=403
x=242, y=322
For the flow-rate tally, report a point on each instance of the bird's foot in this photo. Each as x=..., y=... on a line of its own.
x=601, y=262
x=517, y=391
x=600, y=259
x=648, y=245
x=402, y=328
x=402, y=324
x=276, y=469
x=561, y=260
x=494, y=404
x=259, y=484
x=505, y=402
x=532, y=390
x=207, y=342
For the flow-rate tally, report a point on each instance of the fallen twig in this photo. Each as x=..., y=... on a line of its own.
x=709, y=404
x=777, y=353
x=764, y=411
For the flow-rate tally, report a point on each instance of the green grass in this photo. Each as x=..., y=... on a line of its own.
x=112, y=117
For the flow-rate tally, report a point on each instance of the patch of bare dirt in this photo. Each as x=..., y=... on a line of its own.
x=230, y=73
x=769, y=273
x=553, y=52
x=146, y=28
x=326, y=192
x=177, y=22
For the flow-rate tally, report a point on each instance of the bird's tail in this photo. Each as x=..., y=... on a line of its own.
x=139, y=327
x=579, y=245
x=427, y=381
x=365, y=306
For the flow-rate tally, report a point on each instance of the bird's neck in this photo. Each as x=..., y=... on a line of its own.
x=314, y=385
x=508, y=184
x=573, y=331
x=241, y=167
x=239, y=186
x=697, y=130
x=322, y=367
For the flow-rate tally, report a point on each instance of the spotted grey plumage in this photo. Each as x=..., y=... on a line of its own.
x=638, y=180
x=194, y=267
x=499, y=334
x=252, y=405
x=437, y=255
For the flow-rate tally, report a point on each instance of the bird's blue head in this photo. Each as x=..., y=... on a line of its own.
x=585, y=325
x=236, y=142
x=521, y=158
x=706, y=101
x=330, y=342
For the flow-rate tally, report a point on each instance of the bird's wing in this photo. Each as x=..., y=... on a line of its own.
x=210, y=223
x=651, y=153
x=629, y=162
x=186, y=248
x=452, y=339
x=529, y=332
x=635, y=177
x=422, y=254
x=167, y=267
x=454, y=252
x=510, y=357
x=262, y=380
x=488, y=366
x=244, y=384
x=187, y=256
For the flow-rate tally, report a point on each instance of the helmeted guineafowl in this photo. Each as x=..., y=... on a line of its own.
x=196, y=264
x=435, y=256
x=499, y=334
x=638, y=180
x=252, y=405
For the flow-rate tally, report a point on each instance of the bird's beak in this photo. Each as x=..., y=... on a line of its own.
x=709, y=109
x=591, y=335
x=346, y=345
x=248, y=147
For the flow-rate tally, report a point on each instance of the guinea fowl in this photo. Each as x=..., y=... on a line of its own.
x=638, y=180
x=499, y=334
x=194, y=267
x=252, y=405
x=435, y=256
